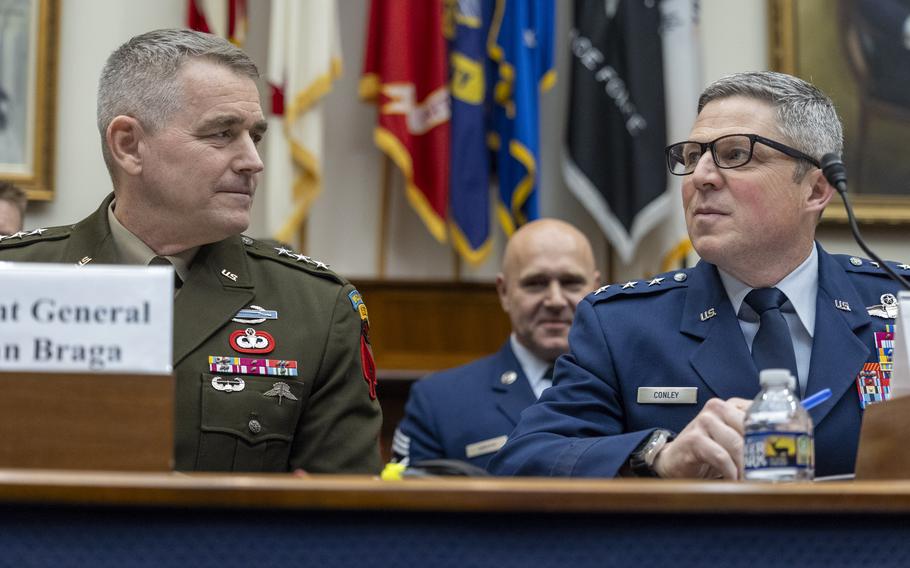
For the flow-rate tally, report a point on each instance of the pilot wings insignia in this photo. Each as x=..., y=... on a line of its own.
x=887, y=309
x=281, y=390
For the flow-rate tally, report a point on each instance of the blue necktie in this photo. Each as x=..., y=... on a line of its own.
x=772, y=347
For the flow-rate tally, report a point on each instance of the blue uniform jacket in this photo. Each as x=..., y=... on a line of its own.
x=663, y=335
x=448, y=411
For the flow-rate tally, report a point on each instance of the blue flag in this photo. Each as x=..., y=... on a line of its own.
x=467, y=28
x=521, y=46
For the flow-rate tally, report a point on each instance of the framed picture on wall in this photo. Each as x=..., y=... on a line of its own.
x=858, y=52
x=28, y=89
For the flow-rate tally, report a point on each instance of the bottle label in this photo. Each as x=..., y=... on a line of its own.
x=772, y=450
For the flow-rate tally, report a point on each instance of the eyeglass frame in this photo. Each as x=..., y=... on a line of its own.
x=753, y=138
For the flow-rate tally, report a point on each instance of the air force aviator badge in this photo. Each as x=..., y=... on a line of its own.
x=667, y=395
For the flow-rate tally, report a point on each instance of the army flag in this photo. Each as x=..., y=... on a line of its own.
x=405, y=74
x=467, y=25
x=521, y=46
x=304, y=61
x=225, y=18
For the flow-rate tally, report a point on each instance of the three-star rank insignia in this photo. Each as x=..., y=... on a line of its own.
x=250, y=340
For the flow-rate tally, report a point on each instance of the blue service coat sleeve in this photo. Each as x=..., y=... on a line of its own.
x=577, y=427
x=421, y=427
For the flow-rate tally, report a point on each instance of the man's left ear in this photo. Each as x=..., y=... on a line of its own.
x=820, y=191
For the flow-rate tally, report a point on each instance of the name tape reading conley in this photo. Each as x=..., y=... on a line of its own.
x=667, y=395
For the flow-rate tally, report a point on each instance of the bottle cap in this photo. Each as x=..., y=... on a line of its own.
x=777, y=378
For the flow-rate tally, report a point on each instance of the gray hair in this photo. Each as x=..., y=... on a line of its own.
x=805, y=115
x=15, y=195
x=140, y=77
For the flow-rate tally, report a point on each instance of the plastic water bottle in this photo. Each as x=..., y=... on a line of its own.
x=778, y=432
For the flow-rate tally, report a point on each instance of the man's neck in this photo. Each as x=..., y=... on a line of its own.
x=763, y=270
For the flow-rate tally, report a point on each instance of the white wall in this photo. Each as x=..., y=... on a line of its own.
x=344, y=225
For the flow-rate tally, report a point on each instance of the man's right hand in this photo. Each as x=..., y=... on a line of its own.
x=710, y=446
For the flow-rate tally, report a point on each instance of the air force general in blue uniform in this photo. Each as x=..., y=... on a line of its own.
x=661, y=371
x=678, y=334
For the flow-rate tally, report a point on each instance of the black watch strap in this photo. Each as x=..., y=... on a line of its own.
x=641, y=461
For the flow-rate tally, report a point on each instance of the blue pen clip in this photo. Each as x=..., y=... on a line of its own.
x=821, y=396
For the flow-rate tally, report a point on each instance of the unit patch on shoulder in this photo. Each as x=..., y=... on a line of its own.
x=359, y=307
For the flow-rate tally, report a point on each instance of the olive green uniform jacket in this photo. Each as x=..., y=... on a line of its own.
x=331, y=421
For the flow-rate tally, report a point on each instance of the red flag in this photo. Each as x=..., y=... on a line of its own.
x=405, y=73
x=225, y=18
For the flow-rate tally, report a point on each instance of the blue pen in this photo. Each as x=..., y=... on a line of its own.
x=821, y=396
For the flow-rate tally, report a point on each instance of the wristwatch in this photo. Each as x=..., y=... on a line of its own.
x=641, y=462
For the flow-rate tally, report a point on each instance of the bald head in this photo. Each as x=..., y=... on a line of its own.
x=547, y=268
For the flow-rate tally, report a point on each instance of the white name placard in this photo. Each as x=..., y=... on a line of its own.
x=107, y=319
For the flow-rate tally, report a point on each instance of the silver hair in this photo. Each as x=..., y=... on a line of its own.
x=805, y=115
x=140, y=77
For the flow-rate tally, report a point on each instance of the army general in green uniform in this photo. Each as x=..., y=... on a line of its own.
x=271, y=349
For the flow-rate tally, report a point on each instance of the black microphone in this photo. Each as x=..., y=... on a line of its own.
x=836, y=174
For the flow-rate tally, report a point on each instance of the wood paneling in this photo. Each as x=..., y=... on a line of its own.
x=87, y=421
x=430, y=326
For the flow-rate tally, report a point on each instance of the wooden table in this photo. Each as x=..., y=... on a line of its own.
x=137, y=519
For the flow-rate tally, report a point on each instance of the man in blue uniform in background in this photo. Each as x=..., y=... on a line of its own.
x=466, y=413
x=660, y=371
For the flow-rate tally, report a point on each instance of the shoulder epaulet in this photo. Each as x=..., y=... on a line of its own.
x=655, y=285
x=280, y=253
x=23, y=238
x=866, y=266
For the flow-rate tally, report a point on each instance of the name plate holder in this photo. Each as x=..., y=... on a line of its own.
x=883, y=452
x=86, y=421
x=86, y=374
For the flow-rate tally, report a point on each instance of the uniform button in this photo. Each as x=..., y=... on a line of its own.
x=246, y=240
x=508, y=377
x=680, y=277
x=255, y=426
x=855, y=261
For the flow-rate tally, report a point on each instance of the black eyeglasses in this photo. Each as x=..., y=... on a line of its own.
x=730, y=151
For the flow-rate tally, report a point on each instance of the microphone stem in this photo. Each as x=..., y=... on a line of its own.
x=862, y=243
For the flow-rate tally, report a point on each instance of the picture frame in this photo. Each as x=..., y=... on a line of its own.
x=29, y=38
x=829, y=43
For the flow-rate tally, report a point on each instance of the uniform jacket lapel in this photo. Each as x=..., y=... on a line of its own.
x=722, y=360
x=836, y=367
x=218, y=286
x=510, y=399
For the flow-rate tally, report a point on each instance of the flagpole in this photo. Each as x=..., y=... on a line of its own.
x=608, y=265
x=456, y=264
x=384, y=197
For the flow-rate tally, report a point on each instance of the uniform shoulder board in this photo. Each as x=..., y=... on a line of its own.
x=655, y=285
x=866, y=266
x=23, y=238
x=282, y=253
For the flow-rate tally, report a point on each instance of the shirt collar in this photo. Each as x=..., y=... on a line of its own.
x=800, y=286
x=533, y=366
x=131, y=250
